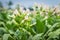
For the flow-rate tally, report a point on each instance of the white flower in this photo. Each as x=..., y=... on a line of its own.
x=16, y=12
x=22, y=21
x=46, y=13
x=27, y=12
x=58, y=15
x=42, y=13
x=13, y=16
x=46, y=17
x=53, y=13
x=26, y=17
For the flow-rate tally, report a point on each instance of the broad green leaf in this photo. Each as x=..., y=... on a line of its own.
x=6, y=36
x=54, y=34
x=37, y=37
x=40, y=26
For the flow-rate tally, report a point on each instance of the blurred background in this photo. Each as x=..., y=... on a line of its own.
x=27, y=3
x=29, y=19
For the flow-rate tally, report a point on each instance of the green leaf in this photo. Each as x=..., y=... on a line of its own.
x=2, y=31
x=54, y=34
x=37, y=36
x=40, y=26
x=6, y=36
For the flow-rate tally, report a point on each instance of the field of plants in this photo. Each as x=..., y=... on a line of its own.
x=42, y=23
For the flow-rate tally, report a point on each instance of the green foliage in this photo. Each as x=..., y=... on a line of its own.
x=18, y=25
